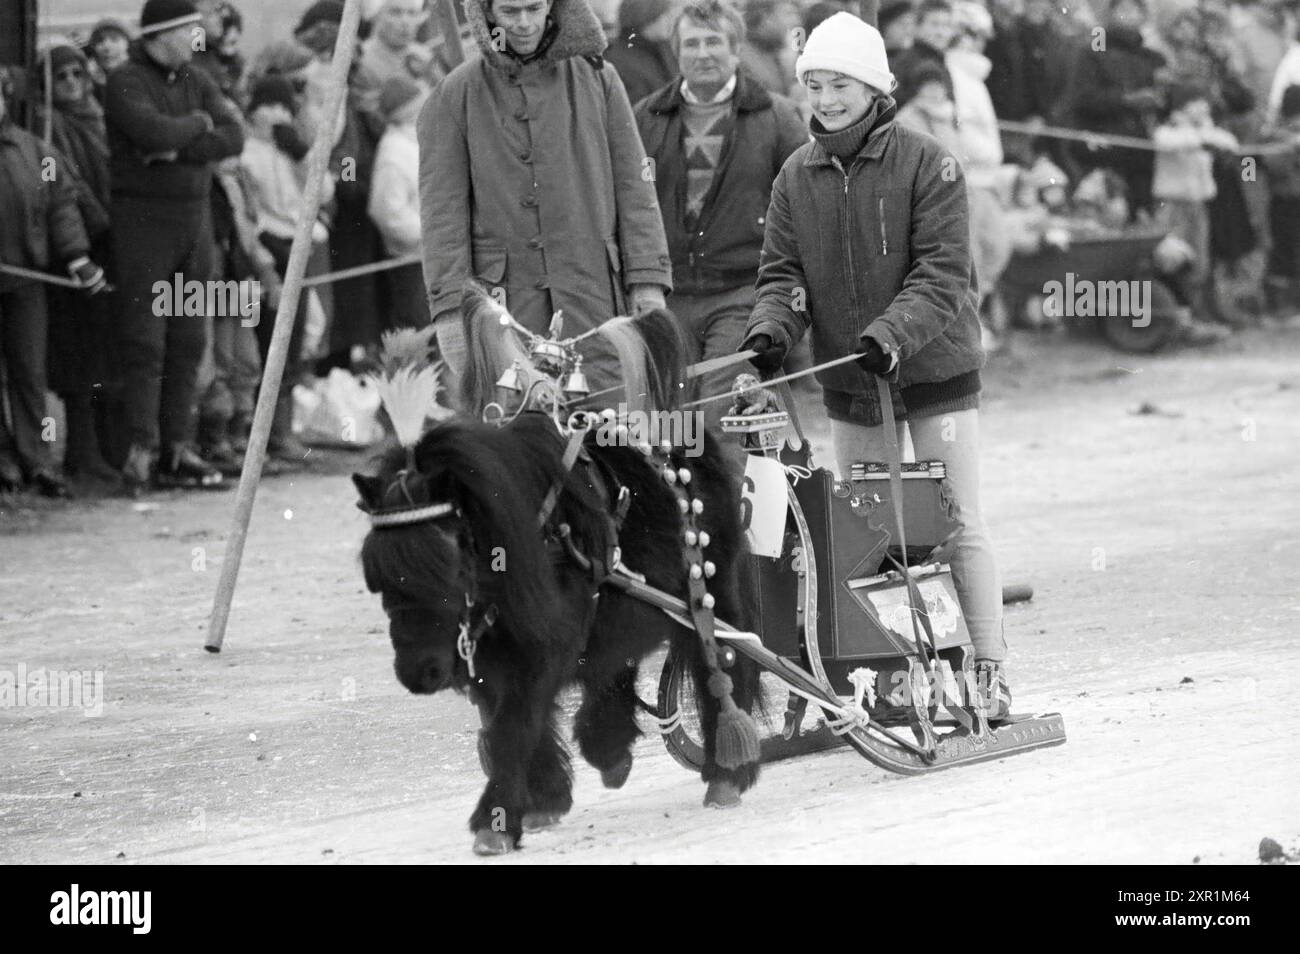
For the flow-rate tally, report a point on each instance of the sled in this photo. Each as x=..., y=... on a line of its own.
x=839, y=632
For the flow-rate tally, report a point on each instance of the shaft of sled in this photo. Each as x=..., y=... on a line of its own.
x=280, y=336
x=845, y=359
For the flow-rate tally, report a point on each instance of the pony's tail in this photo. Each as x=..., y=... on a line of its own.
x=651, y=352
x=492, y=349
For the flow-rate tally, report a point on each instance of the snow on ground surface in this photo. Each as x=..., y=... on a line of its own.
x=1172, y=664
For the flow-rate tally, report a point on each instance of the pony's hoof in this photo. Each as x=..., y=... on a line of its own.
x=536, y=821
x=721, y=794
x=493, y=843
x=616, y=776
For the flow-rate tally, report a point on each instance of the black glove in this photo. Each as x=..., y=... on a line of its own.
x=770, y=355
x=874, y=359
x=289, y=142
x=90, y=275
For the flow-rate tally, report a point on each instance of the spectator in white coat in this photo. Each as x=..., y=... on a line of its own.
x=979, y=143
x=275, y=160
x=395, y=199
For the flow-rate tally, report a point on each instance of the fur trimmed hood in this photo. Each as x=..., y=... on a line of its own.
x=578, y=33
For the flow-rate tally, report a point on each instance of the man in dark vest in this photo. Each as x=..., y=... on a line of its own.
x=167, y=125
x=717, y=139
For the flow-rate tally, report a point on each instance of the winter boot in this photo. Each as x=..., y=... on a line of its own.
x=282, y=444
x=182, y=467
x=991, y=684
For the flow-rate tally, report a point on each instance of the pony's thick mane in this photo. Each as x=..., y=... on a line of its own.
x=497, y=477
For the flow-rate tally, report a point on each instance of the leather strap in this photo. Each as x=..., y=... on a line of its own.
x=787, y=398
x=566, y=462
x=927, y=649
x=894, y=458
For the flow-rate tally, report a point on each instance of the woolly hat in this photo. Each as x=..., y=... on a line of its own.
x=272, y=90
x=103, y=28
x=64, y=55
x=844, y=44
x=1290, y=106
x=323, y=11
x=397, y=91
x=160, y=15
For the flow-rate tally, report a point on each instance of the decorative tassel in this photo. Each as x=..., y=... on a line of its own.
x=408, y=382
x=737, y=741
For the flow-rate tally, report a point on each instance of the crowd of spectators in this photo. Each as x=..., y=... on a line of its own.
x=188, y=161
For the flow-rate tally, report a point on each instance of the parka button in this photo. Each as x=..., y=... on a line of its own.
x=534, y=243
x=529, y=201
x=525, y=157
x=542, y=284
x=521, y=115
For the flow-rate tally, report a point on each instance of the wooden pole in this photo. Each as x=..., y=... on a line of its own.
x=444, y=15
x=255, y=456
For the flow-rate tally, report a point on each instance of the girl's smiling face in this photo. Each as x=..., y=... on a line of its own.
x=838, y=101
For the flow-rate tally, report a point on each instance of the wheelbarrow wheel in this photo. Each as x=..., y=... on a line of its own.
x=1159, y=331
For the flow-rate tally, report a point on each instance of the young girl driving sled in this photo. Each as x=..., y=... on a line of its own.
x=867, y=243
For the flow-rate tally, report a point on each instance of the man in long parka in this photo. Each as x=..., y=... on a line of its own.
x=533, y=179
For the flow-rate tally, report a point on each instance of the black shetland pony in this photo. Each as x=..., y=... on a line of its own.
x=542, y=620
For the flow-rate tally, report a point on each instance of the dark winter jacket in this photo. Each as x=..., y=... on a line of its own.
x=152, y=109
x=880, y=246
x=1101, y=78
x=722, y=251
x=1031, y=69
x=643, y=65
x=532, y=179
x=81, y=138
x=39, y=220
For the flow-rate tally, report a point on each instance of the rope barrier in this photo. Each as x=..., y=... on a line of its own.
x=20, y=272
x=358, y=270
x=1128, y=142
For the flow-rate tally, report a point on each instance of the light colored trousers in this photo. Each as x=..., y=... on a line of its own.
x=954, y=439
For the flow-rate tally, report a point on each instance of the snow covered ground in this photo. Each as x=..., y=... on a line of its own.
x=1163, y=546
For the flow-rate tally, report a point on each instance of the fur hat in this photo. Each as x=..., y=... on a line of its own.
x=272, y=90
x=844, y=44
x=160, y=15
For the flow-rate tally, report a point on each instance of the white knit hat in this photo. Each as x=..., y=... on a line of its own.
x=844, y=44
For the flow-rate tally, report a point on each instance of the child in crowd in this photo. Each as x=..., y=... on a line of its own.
x=1182, y=186
x=275, y=161
x=395, y=200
